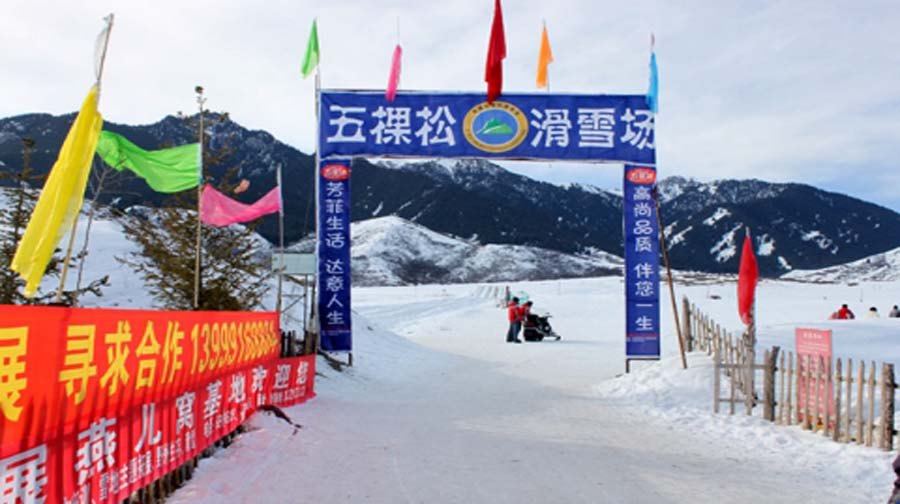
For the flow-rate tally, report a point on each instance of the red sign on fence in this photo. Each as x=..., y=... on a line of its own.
x=95, y=403
x=814, y=385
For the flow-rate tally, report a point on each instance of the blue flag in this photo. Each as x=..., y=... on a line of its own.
x=653, y=92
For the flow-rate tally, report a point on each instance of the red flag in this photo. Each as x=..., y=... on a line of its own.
x=748, y=273
x=493, y=69
x=394, y=78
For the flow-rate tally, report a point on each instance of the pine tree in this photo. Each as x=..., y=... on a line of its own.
x=21, y=199
x=233, y=275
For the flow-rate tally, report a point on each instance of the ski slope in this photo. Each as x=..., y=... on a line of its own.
x=439, y=409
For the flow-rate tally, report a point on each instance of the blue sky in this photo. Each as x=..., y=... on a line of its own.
x=781, y=91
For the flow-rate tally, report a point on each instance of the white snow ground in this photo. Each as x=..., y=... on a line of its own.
x=438, y=409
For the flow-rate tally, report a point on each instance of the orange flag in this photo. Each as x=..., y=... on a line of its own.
x=545, y=57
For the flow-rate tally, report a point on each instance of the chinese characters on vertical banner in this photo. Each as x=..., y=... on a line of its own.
x=95, y=404
x=334, y=256
x=641, y=263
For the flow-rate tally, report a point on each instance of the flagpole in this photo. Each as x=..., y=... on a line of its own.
x=71, y=245
x=665, y=250
x=314, y=316
x=200, y=102
x=87, y=231
x=749, y=349
x=400, y=76
x=544, y=21
x=280, y=241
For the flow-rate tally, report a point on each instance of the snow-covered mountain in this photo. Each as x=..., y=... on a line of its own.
x=883, y=267
x=794, y=226
x=393, y=251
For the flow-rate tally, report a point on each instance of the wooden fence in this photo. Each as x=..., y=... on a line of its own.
x=844, y=408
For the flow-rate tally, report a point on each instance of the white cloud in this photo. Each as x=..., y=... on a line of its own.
x=801, y=90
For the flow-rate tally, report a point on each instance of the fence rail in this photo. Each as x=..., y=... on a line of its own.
x=816, y=393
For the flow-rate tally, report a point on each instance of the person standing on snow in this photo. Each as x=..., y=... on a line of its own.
x=512, y=336
x=895, y=312
x=844, y=313
x=524, y=311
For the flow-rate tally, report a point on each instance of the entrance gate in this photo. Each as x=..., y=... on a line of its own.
x=546, y=127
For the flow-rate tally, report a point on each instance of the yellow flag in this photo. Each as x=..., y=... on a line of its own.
x=60, y=200
x=545, y=57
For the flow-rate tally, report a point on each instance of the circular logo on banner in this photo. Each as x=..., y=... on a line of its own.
x=641, y=175
x=335, y=172
x=495, y=127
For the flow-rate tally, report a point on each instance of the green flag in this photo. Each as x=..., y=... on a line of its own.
x=311, y=59
x=166, y=170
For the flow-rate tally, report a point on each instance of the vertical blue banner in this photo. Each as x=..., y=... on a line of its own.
x=641, y=262
x=334, y=256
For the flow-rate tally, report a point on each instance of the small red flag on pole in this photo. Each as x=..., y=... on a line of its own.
x=493, y=70
x=748, y=274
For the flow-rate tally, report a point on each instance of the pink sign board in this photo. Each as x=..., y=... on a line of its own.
x=814, y=351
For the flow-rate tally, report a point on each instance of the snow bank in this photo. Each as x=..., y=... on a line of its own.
x=682, y=399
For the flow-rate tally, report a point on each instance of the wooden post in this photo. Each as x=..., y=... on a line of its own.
x=789, y=396
x=807, y=387
x=686, y=315
x=731, y=397
x=698, y=328
x=782, y=399
x=836, y=433
x=816, y=386
x=698, y=321
x=826, y=395
x=704, y=326
x=716, y=382
x=887, y=407
x=848, y=429
x=860, y=425
x=769, y=385
x=749, y=377
x=870, y=421
x=704, y=330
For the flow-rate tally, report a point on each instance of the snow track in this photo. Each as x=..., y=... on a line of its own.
x=448, y=412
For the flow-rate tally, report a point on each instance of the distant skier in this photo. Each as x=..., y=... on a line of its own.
x=872, y=313
x=895, y=312
x=845, y=313
x=512, y=336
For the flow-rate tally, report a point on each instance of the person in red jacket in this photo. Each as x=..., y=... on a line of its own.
x=524, y=310
x=844, y=313
x=515, y=322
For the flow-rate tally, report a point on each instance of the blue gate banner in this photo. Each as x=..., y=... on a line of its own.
x=610, y=128
x=334, y=256
x=641, y=263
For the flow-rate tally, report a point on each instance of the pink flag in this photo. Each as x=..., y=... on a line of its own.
x=216, y=209
x=394, y=79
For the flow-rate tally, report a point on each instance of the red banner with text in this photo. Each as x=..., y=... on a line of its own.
x=96, y=403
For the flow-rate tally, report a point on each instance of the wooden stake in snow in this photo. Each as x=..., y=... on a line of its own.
x=665, y=250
